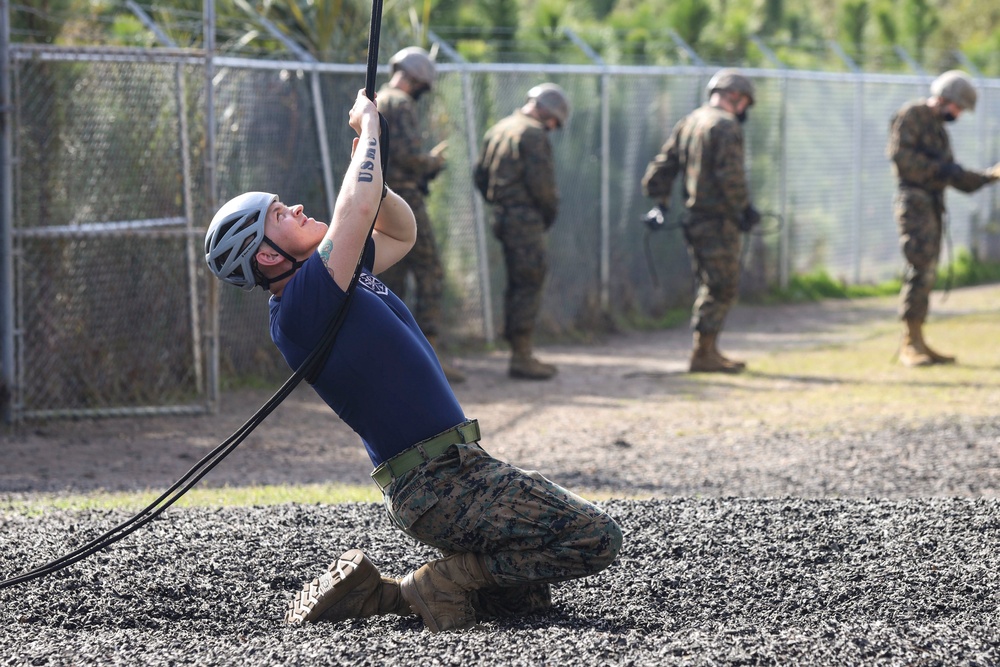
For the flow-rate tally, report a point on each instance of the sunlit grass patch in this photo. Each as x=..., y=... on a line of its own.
x=239, y=496
x=857, y=384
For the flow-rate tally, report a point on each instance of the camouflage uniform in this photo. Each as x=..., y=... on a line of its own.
x=409, y=171
x=532, y=531
x=924, y=164
x=706, y=149
x=515, y=173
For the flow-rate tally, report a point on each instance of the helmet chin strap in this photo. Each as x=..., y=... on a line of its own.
x=266, y=282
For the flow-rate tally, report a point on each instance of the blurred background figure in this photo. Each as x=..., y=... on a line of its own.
x=921, y=154
x=705, y=150
x=515, y=173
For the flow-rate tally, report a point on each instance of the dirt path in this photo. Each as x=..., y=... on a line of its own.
x=823, y=412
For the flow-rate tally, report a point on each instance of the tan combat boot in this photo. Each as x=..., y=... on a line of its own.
x=935, y=356
x=452, y=374
x=705, y=357
x=440, y=591
x=523, y=365
x=912, y=351
x=351, y=588
x=735, y=363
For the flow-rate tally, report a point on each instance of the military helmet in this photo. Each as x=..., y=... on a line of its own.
x=731, y=80
x=234, y=235
x=416, y=63
x=553, y=99
x=955, y=86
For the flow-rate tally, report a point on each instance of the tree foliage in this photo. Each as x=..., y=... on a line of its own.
x=722, y=31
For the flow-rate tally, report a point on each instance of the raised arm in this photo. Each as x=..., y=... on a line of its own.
x=359, y=196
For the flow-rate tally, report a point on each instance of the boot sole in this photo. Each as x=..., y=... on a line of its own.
x=521, y=375
x=345, y=574
x=732, y=370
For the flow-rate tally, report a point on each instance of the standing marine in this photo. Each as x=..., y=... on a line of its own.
x=922, y=157
x=515, y=172
x=705, y=152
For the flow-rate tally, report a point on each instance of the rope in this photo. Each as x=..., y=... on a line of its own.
x=308, y=370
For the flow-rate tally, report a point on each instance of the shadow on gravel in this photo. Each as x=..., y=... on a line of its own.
x=699, y=582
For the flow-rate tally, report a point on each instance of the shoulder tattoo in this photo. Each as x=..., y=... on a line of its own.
x=324, y=250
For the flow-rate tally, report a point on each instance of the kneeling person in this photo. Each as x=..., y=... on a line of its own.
x=506, y=533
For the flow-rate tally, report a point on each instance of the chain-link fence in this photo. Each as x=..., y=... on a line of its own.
x=110, y=147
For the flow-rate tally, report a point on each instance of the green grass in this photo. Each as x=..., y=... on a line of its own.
x=819, y=285
x=239, y=496
x=965, y=271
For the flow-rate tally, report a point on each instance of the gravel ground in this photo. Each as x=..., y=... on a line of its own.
x=844, y=514
x=699, y=582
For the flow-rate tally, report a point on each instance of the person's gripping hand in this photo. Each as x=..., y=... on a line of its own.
x=364, y=115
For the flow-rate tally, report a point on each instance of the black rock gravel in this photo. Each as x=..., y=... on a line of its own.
x=715, y=581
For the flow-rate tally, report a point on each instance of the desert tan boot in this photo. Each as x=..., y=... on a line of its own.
x=440, y=591
x=524, y=365
x=705, y=357
x=912, y=350
x=351, y=588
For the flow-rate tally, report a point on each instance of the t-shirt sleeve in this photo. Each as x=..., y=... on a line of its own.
x=308, y=302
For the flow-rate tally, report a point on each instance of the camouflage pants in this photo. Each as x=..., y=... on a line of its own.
x=530, y=531
x=424, y=262
x=918, y=216
x=714, y=247
x=521, y=230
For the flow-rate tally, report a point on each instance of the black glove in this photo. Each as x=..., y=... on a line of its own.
x=750, y=219
x=655, y=216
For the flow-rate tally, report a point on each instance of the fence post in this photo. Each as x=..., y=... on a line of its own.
x=472, y=141
x=856, y=153
x=785, y=237
x=214, y=286
x=604, y=258
x=785, y=234
x=6, y=224
x=183, y=137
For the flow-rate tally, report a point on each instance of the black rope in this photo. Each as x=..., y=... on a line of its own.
x=309, y=370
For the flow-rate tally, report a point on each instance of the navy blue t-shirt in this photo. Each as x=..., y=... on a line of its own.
x=382, y=377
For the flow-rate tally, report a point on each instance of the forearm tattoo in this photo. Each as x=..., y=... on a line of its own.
x=366, y=175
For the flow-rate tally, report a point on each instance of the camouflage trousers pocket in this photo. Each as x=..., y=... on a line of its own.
x=413, y=501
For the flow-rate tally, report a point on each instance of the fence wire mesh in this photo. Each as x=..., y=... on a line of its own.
x=113, y=304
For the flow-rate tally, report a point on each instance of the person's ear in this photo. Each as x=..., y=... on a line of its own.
x=268, y=257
